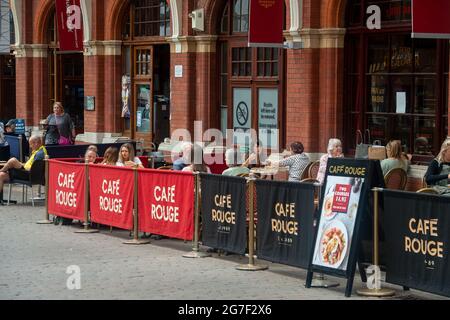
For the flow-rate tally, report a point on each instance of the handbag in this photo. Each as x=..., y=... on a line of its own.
x=377, y=151
x=64, y=141
x=362, y=147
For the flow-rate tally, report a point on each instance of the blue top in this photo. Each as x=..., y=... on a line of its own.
x=179, y=164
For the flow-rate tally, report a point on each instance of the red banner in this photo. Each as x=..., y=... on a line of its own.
x=266, y=23
x=111, y=195
x=166, y=203
x=66, y=187
x=431, y=19
x=70, y=25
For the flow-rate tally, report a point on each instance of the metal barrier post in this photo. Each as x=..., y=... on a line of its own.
x=319, y=280
x=86, y=228
x=251, y=232
x=46, y=217
x=136, y=240
x=196, y=253
x=377, y=291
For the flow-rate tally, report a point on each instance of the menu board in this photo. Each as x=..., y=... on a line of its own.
x=338, y=215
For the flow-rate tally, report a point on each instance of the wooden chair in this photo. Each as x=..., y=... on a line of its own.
x=309, y=180
x=305, y=173
x=313, y=169
x=424, y=183
x=427, y=190
x=396, y=179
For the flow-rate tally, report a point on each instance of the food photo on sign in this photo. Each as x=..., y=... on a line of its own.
x=338, y=216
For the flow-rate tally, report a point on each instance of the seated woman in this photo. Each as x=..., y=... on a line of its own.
x=127, y=158
x=197, y=161
x=296, y=162
x=395, y=158
x=111, y=156
x=438, y=173
x=256, y=158
x=334, y=150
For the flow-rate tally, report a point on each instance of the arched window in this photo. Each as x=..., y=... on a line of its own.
x=251, y=80
x=395, y=86
x=7, y=63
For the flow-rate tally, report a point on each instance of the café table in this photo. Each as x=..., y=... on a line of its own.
x=265, y=172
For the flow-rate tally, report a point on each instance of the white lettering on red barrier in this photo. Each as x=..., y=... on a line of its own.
x=109, y=203
x=66, y=198
x=165, y=212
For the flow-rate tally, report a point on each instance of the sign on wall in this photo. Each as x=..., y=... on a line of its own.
x=70, y=25
x=242, y=115
x=268, y=118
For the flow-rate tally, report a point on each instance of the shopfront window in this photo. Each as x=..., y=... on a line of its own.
x=396, y=85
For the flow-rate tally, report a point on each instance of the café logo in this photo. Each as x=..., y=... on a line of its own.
x=110, y=200
x=266, y=3
x=167, y=211
x=427, y=247
x=65, y=191
x=284, y=222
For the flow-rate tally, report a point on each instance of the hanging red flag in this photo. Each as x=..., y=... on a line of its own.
x=70, y=25
x=431, y=19
x=266, y=23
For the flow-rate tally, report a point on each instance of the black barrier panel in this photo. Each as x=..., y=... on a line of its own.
x=417, y=240
x=223, y=211
x=285, y=231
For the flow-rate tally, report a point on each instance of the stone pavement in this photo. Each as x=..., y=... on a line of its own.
x=34, y=260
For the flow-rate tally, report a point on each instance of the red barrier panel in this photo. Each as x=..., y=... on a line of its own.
x=166, y=203
x=67, y=182
x=111, y=195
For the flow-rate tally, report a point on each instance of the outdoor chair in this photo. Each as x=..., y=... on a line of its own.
x=305, y=173
x=36, y=176
x=427, y=190
x=396, y=179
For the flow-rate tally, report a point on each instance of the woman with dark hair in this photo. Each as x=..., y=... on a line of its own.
x=297, y=162
x=127, y=158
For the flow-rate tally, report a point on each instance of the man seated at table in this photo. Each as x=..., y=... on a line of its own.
x=38, y=152
x=233, y=161
x=183, y=161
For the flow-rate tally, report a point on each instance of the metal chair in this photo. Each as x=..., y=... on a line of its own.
x=309, y=180
x=36, y=176
x=396, y=179
x=427, y=190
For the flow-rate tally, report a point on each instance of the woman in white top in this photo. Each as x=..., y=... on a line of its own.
x=334, y=150
x=126, y=154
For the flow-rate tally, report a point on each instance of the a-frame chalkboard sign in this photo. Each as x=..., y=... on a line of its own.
x=343, y=208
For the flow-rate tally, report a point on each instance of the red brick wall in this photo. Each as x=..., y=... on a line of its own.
x=183, y=92
x=94, y=85
x=302, y=96
x=24, y=89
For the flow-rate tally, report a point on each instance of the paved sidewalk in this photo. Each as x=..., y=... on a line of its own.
x=34, y=259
